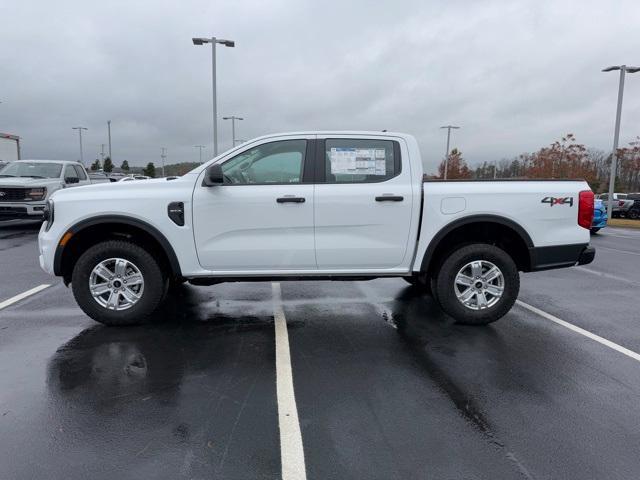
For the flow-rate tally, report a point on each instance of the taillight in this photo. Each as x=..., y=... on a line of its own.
x=621, y=203
x=585, y=209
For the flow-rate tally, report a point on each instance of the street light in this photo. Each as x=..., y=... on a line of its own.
x=200, y=147
x=446, y=158
x=616, y=135
x=233, y=119
x=80, y=134
x=226, y=43
x=163, y=156
x=109, y=134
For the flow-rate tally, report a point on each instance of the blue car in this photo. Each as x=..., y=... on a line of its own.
x=599, y=216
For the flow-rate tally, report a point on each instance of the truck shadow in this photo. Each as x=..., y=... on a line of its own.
x=110, y=371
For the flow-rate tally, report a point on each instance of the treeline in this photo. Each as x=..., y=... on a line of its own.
x=564, y=158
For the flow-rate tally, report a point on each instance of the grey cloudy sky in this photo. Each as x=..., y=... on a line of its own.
x=516, y=75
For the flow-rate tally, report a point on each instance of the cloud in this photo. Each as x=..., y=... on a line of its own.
x=514, y=75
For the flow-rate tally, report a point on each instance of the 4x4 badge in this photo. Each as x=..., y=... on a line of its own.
x=558, y=201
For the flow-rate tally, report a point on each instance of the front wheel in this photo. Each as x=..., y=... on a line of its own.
x=477, y=284
x=118, y=283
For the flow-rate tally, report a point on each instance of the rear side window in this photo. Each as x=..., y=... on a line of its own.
x=360, y=161
x=80, y=172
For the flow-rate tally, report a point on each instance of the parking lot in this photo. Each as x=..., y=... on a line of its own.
x=386, y=386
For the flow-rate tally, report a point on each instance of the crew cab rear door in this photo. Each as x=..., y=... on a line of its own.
x=363, y=203
x=261, y=217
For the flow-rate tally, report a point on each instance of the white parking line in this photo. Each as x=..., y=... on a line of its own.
x=581, y=331
x=607, y=275
x=291, y=450
x=23, y=295
x=618, y=250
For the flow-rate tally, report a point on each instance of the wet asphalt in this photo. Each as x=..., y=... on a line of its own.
x=386, y=385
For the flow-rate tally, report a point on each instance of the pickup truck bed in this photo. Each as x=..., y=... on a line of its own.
x=311, y=205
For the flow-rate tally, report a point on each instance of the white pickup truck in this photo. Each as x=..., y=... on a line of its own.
x=309, y=206
x=25, y=185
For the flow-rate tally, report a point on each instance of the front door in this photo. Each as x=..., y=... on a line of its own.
x=363, y=204
x=261, y=218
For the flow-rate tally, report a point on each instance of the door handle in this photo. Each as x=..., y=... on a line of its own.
x=290, y=200
x=389, y=198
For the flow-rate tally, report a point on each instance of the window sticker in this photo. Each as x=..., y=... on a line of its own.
x=358, y=161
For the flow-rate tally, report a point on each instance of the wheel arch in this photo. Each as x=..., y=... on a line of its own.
x=95, y=229
x=481, y=228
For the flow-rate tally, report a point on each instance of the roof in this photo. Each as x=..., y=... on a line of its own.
x=46, y=161
x=336, y=132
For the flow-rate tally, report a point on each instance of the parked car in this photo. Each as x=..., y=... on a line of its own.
x=98, y=177
x=599, y=216
x=25, y=185
x=621, y=204
x=634, y=211
x=134, y=177
x=309, y=206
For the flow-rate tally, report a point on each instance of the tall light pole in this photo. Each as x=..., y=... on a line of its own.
x=109, y=132
x=80, y=134
x=446, y=158
x=616, y=135
x=233, y=119
x=163, y=155
x=200, y=147
x=213, y=41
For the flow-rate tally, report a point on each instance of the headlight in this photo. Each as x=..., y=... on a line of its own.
x=36, y=193
x=48, y=214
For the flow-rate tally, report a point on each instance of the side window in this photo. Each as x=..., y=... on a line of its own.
x=604, y=196
x=70, y=172
x=80, y=172
x=270, y=163
x=361, y=161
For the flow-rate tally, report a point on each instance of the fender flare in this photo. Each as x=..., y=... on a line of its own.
x=448, y=228
x=124, y=219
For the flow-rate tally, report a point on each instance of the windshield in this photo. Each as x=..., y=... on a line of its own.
x=32, y=170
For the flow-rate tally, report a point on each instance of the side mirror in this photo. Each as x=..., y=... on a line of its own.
x=213, y=176
x=71, y=180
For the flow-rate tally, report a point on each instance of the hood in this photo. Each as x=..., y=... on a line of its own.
x=109, y=190
x=28, y=182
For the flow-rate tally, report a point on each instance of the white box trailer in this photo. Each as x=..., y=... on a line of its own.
x=9, y=147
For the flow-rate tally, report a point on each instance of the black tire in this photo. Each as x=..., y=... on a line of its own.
x=155, y=283
x=445, y=284
x=595, y=230
x=634, y=214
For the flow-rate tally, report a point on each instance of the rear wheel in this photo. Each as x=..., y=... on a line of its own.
x=118, y=283
x=477, y=284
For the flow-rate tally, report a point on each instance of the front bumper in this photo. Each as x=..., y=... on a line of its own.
x=10, y=211
x=560, y=256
